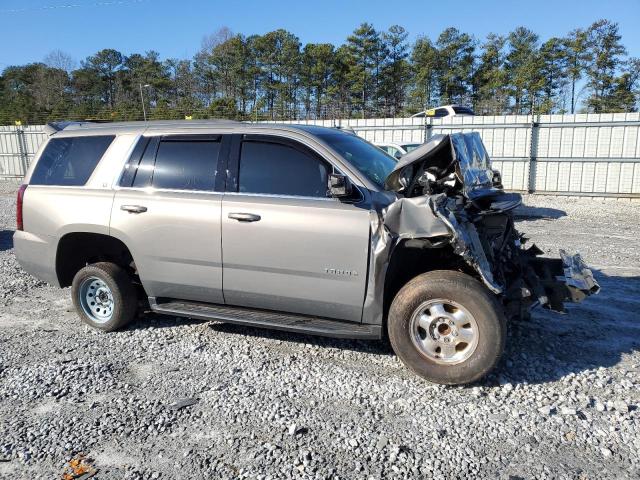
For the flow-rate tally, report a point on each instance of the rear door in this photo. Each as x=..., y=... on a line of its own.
x=286, y=245
x=167, y=211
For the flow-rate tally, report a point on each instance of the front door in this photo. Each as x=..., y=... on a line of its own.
x=168, y=212
x=286, y=245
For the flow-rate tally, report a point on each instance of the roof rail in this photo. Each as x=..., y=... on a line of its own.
x=55, y=127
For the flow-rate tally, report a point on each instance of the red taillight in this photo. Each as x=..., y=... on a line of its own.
x=19, y=202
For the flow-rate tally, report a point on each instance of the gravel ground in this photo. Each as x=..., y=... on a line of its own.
x=172, y=398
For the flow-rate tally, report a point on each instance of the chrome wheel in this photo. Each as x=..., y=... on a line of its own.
x=444, y=331
x=96, y=299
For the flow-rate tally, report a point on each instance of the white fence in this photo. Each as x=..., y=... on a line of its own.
x=584, y=154
x=18, y=145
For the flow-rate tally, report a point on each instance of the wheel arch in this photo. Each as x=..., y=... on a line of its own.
x=413, y=257
x=78, y=249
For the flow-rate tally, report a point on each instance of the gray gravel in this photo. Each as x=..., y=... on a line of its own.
x=172, y=398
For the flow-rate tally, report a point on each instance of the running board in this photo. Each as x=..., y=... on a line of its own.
x=290, y=322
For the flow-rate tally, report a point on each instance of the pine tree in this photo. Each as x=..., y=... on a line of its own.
x=455, y=65
x=424, y=62
x=554, y=64
x=490, y=79
x=395, y=71
x=606, y=50
x=363, y=47
x=523, y=66
x=578, y=56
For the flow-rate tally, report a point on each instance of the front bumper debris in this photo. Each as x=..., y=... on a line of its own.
x=578, y=277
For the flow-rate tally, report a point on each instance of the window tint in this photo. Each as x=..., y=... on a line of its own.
x=131, y=167
x=278, y=169
x=441, y=112
x=463, y=110
x=186, y=165
x=70, y=161
x=144, y=170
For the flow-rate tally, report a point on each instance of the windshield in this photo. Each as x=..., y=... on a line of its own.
x=367, y=158
x=410, y=146
x=463, y=111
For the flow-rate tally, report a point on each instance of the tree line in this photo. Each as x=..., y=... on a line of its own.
x=372, y=74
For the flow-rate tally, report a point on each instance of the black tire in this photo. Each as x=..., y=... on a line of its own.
x=125, y=300
x=470, y=294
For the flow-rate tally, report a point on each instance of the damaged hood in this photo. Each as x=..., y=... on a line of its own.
x=453, y=161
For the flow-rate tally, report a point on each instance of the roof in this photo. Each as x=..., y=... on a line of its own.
x=140, y=127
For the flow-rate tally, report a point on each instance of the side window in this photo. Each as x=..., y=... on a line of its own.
x=441, y=112
x=278, y=169
x=186, y=165
x=70, y=161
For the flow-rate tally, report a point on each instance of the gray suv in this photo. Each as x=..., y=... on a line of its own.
x=298, y=228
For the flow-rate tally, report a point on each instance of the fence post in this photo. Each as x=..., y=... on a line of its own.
x=22, y=150
x=533, y=153
x=428, y=129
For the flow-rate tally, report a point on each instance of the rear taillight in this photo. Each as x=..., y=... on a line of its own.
x=19, y=202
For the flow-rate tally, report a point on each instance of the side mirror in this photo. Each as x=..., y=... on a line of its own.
x=398, y=155
x=339, y=185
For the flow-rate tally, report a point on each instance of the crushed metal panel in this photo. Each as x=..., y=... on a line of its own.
x=465, y=240
x=577, y=274
x=381, y=246
x=414, y=218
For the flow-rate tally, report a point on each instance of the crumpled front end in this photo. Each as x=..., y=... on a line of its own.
x=449, y=195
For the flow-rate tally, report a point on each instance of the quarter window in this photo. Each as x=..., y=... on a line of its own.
x=70, y=161
x=278, y=169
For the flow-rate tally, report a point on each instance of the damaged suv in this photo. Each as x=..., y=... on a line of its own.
x=298, y=228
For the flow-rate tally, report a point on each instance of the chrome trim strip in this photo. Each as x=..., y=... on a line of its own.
x=270, y=195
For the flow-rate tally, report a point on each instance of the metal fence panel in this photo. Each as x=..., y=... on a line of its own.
x=18, y=145
x=582, y=154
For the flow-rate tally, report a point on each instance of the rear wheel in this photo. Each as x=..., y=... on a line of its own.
x=447, y=327
x=104, y=296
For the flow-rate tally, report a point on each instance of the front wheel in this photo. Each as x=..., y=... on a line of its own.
x=447, y=327
x=104, y=296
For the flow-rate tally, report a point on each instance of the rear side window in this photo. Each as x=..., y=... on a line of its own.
x=463, y=110
x=70, y=161
x=277, y=169
x=186, y=165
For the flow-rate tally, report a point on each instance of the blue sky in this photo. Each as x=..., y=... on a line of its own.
x=29, y=29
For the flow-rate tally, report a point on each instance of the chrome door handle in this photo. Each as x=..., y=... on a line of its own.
x=245, y=217
x=133, y=208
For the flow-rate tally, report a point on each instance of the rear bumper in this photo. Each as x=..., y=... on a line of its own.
x=36, y=255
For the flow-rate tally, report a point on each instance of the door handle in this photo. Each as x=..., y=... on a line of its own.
x=245, y=217
x=133, y=208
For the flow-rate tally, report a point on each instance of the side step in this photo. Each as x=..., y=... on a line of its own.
x=290, y=322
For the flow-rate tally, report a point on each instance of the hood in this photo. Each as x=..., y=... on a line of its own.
x=456, y=161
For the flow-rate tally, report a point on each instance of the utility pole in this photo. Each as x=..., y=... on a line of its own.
x=144, y=110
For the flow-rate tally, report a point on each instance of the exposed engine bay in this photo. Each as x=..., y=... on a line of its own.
x=449, y=194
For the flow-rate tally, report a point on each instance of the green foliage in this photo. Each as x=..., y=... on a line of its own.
x=424, y=60
x=490, y=80
x=606, y=51
x=373, y=74
x=455, y=65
